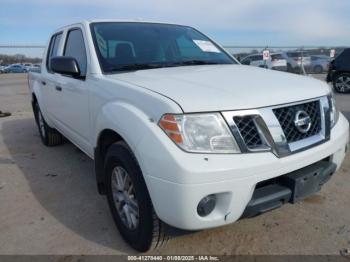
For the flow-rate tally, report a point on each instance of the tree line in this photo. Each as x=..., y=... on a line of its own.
x=18, y=59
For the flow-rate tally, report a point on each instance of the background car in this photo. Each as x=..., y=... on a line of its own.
x=276, y=61
x=295, y=59
x=28, y=66
x=319, y=63
x=339, y=72
x=35, y=68
x=15, y=69
x=2, y=69
x=254, y=60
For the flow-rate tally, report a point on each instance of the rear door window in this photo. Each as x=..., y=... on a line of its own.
x=53, y=49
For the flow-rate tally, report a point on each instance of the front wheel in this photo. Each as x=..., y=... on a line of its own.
x=129, y=200
x=341, y=83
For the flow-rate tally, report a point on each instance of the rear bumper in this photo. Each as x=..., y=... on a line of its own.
x=177, y=181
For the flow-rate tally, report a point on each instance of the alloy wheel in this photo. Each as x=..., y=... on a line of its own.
x=342, y=83
x=124, y=198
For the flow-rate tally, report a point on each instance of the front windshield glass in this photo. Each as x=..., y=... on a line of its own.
x=124, y=46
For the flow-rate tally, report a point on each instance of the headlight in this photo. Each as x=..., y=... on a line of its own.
x=200, y=133
x=334, y=113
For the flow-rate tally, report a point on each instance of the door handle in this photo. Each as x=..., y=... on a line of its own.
x=43, y=83
x=58, y=88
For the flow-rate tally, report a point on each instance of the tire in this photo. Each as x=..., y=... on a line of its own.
x=49, y=136
x=318, y=69
x=341, y=83
x=145, y=231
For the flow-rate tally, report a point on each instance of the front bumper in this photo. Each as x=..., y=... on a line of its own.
x=291, y=187
x=177, y=181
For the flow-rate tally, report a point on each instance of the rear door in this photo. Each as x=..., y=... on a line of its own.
x=52, y=98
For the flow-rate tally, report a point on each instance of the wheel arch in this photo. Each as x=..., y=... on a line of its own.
x=116, y=121
x=339, y=72
x=34, y=102
x=105, y=139
x=37, y=97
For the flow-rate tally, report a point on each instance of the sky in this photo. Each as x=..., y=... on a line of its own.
x=229, y=22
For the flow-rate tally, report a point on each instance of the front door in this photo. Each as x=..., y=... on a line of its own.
x=75, y=95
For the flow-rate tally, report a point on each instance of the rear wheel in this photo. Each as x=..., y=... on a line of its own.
x=49, y=136
x=341, y=83
x=129, y=200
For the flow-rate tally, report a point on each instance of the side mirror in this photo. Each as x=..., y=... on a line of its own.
x=65, y=65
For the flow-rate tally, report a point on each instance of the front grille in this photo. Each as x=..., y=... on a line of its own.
x=286, y=116
x=249, y=131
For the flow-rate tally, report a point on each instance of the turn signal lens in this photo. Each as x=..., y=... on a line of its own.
x=169, y=125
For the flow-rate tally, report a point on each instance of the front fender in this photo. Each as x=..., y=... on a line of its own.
x=123, y=118
x=127, y=121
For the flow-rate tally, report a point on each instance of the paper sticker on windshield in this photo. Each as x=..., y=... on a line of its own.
x=206, y=46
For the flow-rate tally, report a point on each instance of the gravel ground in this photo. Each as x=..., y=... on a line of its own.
x=49, y=203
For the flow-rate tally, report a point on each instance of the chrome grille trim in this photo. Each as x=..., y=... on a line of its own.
x=286, y=117
x=247, y=126
x=271, y=133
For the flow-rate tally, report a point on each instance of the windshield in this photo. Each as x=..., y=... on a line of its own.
x=130, y=46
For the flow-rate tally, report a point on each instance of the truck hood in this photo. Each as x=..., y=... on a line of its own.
x=225, y=87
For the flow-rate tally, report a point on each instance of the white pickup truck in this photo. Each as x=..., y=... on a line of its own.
x=182, y=135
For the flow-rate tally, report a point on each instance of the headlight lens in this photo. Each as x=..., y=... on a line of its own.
x=200, y=133
x=333, y=111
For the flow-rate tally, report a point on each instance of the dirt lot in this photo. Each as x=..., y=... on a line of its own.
x=49, y=203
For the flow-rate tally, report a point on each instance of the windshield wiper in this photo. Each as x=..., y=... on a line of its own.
x=196, y=62
x=134, y=67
